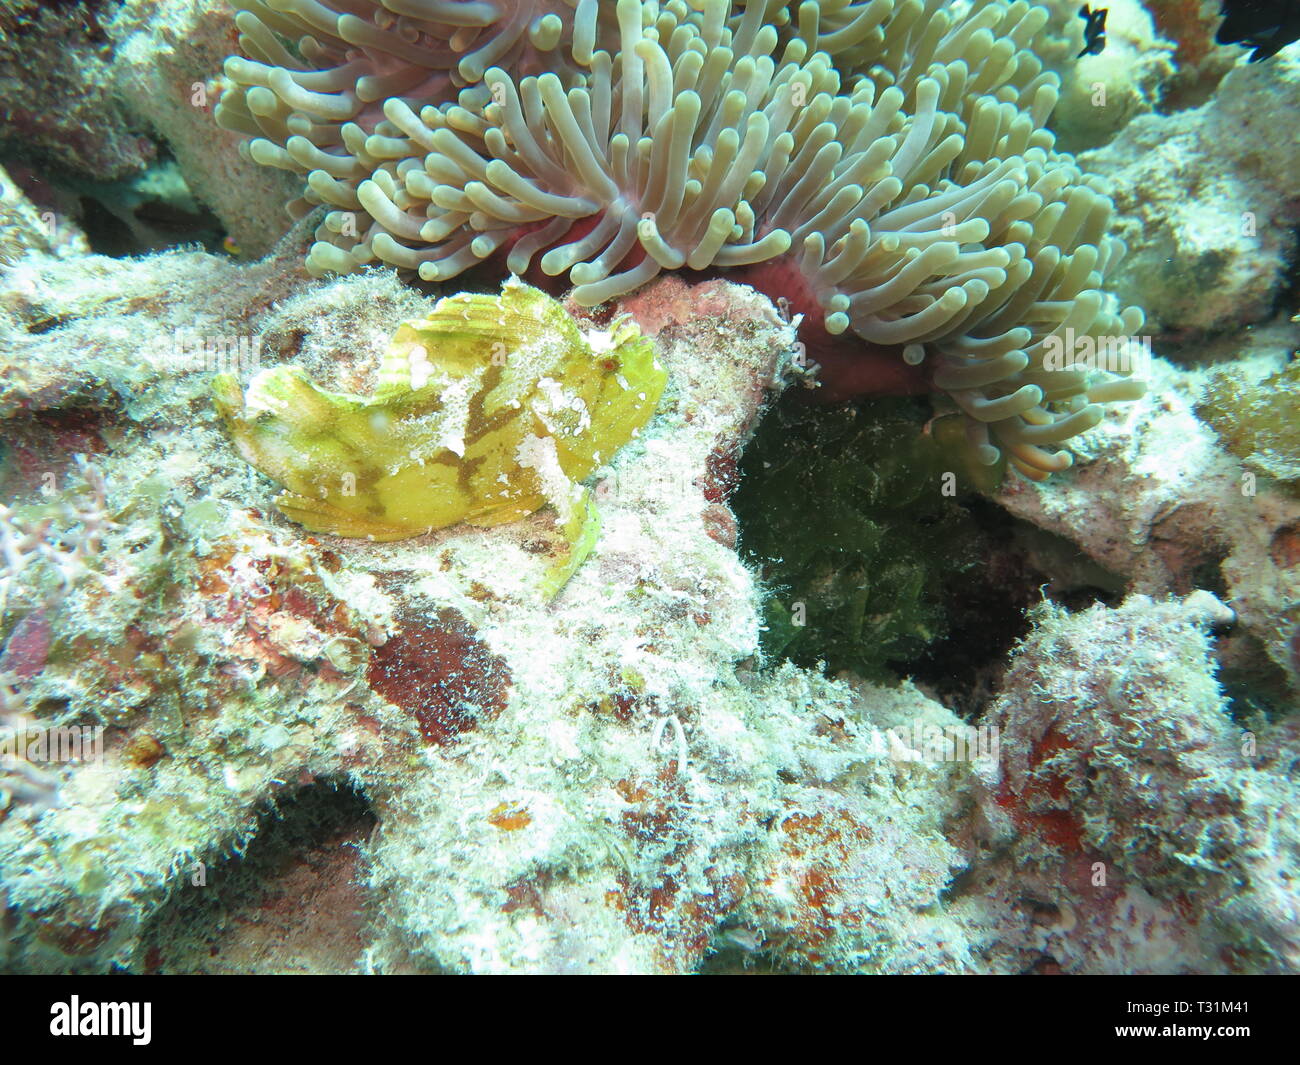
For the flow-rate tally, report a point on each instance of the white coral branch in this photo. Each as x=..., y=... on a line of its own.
x=63, y=545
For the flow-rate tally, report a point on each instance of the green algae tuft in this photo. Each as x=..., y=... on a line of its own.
x=849, y=516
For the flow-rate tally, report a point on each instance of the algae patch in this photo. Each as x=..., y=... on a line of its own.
x=843, y=513
x=485, y=411
x=1258, y=423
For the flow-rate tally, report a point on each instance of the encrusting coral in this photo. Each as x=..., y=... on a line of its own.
x=885, y=163
x=485, y=410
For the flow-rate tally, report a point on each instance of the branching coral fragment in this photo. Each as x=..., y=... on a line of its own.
x=46, y=549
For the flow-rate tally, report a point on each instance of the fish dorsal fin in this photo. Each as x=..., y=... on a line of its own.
x=460, y=337
x=408, y=364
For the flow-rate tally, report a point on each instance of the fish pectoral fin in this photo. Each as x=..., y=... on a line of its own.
x=581, y=530
x=320, y=515
x=513, y=510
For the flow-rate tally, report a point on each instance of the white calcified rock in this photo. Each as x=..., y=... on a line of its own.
x=1206, y=200
x=1158, y=501
x=603, y=782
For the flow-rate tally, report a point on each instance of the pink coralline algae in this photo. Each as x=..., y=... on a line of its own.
x=27, y=647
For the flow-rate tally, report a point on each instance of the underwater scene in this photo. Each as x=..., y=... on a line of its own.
x=649, y=486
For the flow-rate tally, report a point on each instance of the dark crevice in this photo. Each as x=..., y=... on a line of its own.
x=149, y=212
x=292, y=903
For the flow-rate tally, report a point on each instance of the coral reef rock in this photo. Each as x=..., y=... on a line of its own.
x=589, y=733
x=1160, y=504
x=1206, y=201
x=1130, y=824
x=602, y=782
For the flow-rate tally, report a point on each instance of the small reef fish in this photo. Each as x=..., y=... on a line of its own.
x=1268, y=26
x=1094, y=30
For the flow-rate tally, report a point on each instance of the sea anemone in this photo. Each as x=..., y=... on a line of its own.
x=886, y=159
